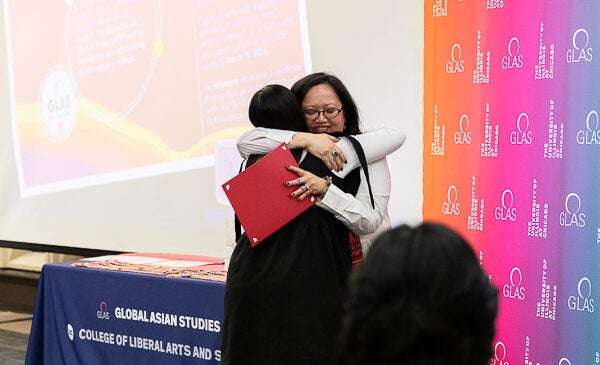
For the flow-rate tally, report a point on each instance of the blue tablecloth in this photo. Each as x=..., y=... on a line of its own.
x=90, y=316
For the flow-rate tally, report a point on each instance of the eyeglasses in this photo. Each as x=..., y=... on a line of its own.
x=328, y=113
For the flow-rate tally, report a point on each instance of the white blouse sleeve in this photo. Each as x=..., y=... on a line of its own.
x=260, y=141
x=377, y=142
x=356, y=212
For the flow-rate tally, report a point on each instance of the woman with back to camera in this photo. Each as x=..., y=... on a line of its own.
x=283, y=298
x=420, y=297
x=328, y=107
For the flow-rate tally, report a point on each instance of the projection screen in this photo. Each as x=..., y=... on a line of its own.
x=118, y=117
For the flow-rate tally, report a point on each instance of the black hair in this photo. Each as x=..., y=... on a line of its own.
x=275, y=106
x=351, y=115
x=419, y=297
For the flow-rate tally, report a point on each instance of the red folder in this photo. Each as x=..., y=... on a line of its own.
x=260, y=198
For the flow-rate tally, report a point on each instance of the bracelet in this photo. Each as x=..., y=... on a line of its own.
x=328, y=181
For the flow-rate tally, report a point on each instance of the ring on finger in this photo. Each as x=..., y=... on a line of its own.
x=300, y=180
x=306, y=187
x=335, y=154
x=330, y=158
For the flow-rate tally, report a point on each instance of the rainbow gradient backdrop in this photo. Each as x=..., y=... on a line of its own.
x=512, y=161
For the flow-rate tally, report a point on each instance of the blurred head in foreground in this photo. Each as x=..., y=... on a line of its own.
x=420, y=297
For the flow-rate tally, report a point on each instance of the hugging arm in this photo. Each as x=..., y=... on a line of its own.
x=377, y=143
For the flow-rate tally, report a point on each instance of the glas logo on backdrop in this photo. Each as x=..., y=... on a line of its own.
x=513, y=59
x=580, y=51
x=456, y=64
x=463, y=135
x=506, y=211
x=564, y=361
x=499, y=355
x=514, y=290
x=583, y=302
x=571, y=215
x=451, y=207
x=591, y=136
x=522, y=135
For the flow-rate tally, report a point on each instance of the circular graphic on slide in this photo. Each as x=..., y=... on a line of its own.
x=57, y=105
x=112, y=49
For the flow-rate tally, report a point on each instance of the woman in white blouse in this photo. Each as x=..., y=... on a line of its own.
x=328, y=107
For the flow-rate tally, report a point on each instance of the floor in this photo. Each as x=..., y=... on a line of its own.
x=14, y=333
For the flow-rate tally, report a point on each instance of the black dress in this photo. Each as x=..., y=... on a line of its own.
x=283, y=298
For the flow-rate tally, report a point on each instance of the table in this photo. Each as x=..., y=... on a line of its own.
x=92, y=316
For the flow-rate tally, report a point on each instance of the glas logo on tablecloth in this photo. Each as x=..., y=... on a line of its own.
x=499, y=354
x=583, y=302
x=103, y=311
x=580, y=51
x=70, y=332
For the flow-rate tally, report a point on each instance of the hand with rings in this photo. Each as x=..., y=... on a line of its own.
x=322, y=146
x=335, y=160
x=307, y=183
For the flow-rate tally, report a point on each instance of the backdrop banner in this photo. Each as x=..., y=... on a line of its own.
x=512, y=161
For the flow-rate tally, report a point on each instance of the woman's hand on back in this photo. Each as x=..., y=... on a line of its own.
x=308, y=184
x=323, y=147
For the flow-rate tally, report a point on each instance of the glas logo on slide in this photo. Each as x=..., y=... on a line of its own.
x=463, y=135
x=580, y=51
x=499, y=357
x=57, y=106
x=522, y=135
x=583, y=302
x=513, y=59
x=514, y=290
x=451, y=206
x=506, y=211
x=591, y=136
x=103, y=311
x=456, y=64
x=572, y=215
